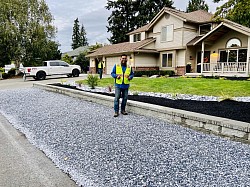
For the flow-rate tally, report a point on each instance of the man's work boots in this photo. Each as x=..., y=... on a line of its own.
x=116, y=114
x=124, y=112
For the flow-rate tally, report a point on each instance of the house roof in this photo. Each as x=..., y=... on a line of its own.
x=141, y=29
x=123, y=48
x=199, y=16
x=222, y=29
x=76, y=51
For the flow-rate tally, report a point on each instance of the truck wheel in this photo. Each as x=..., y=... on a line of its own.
x=40, y=75
x=75, y=73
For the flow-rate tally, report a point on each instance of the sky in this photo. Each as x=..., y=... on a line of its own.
x=93, y=16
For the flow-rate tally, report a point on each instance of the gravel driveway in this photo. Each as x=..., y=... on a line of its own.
x=84, y=140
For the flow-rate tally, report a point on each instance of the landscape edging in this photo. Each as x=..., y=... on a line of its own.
x=233, y=129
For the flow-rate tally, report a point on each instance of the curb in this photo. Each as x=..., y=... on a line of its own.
x=235, y=130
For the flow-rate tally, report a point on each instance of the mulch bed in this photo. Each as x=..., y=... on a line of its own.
x=239, y=111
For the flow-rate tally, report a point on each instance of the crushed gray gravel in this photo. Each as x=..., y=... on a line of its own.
x=95, y=149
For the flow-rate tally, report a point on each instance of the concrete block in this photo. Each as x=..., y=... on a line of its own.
x=213, y=128
x=233, y=132
x=194, y=123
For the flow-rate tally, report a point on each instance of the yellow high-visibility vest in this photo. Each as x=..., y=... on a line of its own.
x=100, y=65
x=119, y=71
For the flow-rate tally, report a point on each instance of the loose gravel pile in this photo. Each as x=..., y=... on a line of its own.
x=95, y=149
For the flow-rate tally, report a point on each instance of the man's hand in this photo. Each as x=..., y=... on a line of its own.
x=118, y=76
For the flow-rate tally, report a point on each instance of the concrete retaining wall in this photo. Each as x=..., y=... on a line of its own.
x=232, y=129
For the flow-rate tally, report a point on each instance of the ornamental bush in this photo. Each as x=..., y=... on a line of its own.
x=92, y=81
x=154, y=72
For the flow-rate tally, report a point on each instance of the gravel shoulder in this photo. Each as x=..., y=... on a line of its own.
x=95, y=149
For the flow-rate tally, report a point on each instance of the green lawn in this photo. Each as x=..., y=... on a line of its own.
x=195, y=86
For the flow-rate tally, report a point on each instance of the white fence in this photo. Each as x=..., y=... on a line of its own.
x=225, y=67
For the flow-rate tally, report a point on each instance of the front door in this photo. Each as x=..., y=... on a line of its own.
x=205, y=60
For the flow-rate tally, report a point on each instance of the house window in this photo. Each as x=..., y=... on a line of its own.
x=167, y=33
x=233, y=55
x=233, y=43
x=167, y=60
x=204, y=29
x=137, y=37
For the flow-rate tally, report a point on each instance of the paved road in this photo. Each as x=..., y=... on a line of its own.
x=20, y=162
x=20, y=83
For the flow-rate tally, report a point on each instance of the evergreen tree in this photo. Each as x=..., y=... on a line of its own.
x=234, y=10
x=76, y=35
x=79, y=38
x=194, y=5
x=128, y=15
x=83, y=38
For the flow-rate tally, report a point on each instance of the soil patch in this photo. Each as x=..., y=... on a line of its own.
x=239, y=111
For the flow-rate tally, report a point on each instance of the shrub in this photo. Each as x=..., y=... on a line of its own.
x=92, y=81
x=5, y=75
x=153, y=72
x=2, y=70
x=12, y=72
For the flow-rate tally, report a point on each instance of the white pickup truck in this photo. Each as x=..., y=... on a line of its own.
x=52, y=67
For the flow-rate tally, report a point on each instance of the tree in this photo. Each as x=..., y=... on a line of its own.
x=67, y=59
x=83, y=38
x=194, y=5
x=79, y=38
x=128, y=15
x=82, y=61
x=26, y=31
x=234, y=10
x=76, y=35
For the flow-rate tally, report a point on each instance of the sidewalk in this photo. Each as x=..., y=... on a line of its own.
x=23, y=165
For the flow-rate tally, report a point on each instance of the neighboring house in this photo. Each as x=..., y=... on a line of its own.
x=174, y=39
x=76, y=52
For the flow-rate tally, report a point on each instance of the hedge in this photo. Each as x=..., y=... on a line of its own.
x=154, y=72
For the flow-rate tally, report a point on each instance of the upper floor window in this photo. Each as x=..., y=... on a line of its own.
x=204, y=29
x=234, y=42
x=167, y=33
x=137, y=37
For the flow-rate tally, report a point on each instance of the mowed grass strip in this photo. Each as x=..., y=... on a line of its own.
x=180, y=85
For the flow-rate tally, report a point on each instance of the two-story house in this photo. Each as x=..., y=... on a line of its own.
x=174, y=39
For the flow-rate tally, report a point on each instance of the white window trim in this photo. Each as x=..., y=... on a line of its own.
x=167, y=59
x=228, y=49
x=203, y=25
x=167, y=36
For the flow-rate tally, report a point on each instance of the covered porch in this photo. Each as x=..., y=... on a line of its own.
x=224, y=51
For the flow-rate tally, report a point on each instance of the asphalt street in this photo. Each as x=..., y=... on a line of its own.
x=21, y=163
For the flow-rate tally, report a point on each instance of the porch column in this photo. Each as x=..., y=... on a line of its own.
x=248, y=55
x=202, y=55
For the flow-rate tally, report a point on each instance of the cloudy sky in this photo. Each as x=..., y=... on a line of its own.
x=93, y=15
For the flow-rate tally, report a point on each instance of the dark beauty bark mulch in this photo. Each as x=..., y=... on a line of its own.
x=239, y=111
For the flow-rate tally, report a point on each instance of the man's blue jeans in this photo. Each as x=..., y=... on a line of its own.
x=120, y=93
x=100, y=72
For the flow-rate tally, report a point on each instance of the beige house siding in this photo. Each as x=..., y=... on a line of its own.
x=191, y=57
x=221, y=43
x=177, y=38
x=180, y=57
x=145, y=60
x=189, y=35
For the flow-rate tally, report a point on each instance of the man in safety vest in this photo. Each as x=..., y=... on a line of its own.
x=100, y=68
x=122, y=73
